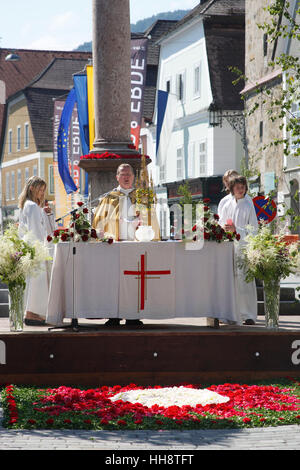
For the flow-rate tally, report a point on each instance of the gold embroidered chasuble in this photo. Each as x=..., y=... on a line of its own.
x=107, y=214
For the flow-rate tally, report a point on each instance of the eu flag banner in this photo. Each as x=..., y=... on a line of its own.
x=62, y=143
x=166, y=109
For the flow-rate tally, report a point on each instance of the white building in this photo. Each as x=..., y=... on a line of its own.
x=193, y=67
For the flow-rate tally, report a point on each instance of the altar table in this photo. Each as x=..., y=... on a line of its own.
x=134, y=280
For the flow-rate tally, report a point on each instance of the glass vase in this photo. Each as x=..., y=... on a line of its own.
x=16, y=307
x=271, y=302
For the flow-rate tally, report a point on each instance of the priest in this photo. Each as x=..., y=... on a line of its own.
x=116, y=213
x=116, y=216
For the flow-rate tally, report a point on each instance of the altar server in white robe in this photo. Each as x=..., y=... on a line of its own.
x=228, y=175
x=238, y=214
x=33, y=218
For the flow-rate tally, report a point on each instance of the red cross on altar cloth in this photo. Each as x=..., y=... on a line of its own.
x=147, y=278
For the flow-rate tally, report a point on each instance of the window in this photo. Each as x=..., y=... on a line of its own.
x=261, y=131
x=19, y=182
x=265, y=44
x=26, y=135
x=26, y=174
x=7, y=186
x=180, y=87
x=51, y=179
x=35, y=170
x=12, y=186
x=202, y=158
x=18, y=138
x=197, y=80
x=10, y=141
x=168, y=85
x=180, y=162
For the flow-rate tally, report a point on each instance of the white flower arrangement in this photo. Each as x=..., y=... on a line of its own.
x=20, y=257
x=266, y=256
x=171, y=396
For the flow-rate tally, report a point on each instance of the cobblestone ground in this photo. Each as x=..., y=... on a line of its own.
x=278, y=438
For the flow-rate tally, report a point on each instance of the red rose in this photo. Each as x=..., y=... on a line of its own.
x=64, y=237
x=84, y=238
x=79, y=204
x=237, y=236
x=110, y=240
x=85, y=210
x=49, y=238
x=206, y=208
x=206, y=200
x=194, y=228
x=216, y=217
x=56, y=233
x=93, y=233
x=206, y=236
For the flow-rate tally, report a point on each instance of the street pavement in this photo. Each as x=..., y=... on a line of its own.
x=165, y=441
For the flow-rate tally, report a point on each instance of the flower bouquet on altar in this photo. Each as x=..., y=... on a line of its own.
x=267, y=257
x=19, y=258
x=79, y=230
x=207, y=226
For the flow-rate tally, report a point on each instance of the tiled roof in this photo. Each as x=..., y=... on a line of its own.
x=59, y=74
x=17, y=75
x=54, y=82
x=225, y=48
x=214, y=8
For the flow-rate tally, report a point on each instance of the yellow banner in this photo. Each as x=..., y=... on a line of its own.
x=91, y=103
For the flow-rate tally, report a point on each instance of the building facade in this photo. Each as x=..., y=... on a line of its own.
x=194, y=67
x=274, y=172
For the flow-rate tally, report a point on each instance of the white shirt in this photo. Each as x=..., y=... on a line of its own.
x=32, y=219
x=241, y=212
x=126, y=224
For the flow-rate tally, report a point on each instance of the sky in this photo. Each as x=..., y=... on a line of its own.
x=64, y=24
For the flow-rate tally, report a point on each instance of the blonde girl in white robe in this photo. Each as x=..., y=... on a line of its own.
x=33, y=218
x=238, y=214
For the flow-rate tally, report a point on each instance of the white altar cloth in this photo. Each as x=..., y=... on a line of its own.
x=116, y=281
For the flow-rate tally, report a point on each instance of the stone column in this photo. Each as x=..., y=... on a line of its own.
x=111, y=65
x=112, y=93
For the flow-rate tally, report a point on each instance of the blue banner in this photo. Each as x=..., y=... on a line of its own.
x=80, y=84
x=62, y=143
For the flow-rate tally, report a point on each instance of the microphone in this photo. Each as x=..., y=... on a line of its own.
x=84, y=205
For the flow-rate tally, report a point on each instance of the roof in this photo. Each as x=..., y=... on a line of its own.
x=17, y=75
x=225, y=48
x=214, y=8
x=59, y=74
x=54, y=82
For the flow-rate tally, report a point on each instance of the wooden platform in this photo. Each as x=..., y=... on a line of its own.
x=159, y=353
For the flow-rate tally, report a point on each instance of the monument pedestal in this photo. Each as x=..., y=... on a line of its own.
x=102, y=171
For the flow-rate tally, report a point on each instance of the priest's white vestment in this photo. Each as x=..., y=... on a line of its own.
x=243, y=215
